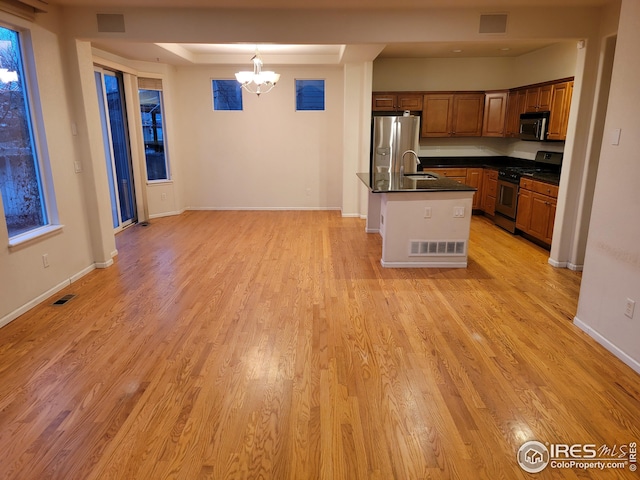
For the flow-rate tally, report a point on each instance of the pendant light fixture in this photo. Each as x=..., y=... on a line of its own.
x=258, y=81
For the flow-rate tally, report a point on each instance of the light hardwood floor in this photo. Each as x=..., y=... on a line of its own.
x=273, y=345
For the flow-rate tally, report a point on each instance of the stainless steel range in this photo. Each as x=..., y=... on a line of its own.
x=509, y=181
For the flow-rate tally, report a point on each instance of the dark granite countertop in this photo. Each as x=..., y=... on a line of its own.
x=388, y=183
x=494, y=162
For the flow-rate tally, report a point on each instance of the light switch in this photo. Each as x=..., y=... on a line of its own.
x=427, y=212
x=615, y=136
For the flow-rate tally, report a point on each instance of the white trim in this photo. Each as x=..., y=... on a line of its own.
x=265, y=208
x=555, y=263
x=166, y=214
x=41, y=298
x=574, y=267
x=106, y=264
x=627, y=359
x=372, y=230
x=423, y=264
x=34, y=235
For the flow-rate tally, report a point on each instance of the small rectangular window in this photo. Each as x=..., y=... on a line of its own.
x=153, y=131
x=23, y=197
x=227, y=95
x=309, y=95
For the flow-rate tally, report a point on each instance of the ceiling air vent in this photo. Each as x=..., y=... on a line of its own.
x=110, y=23
x=493, y=23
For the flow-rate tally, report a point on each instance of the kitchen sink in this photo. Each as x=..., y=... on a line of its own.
x=421, y=176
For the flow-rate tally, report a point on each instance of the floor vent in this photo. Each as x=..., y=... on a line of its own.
x=437, y=247
x=63, y=300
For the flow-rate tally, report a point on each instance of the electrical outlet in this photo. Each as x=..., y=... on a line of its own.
x=631, y=305
x=45, y=260
x=163, y=196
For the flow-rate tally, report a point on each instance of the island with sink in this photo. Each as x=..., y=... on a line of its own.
x=423, y=218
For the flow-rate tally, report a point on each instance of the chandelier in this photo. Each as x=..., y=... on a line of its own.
x=258, y=81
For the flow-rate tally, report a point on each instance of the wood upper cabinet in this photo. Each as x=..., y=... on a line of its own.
x=537, y=209
x=495, y=113
x=452, y=114
x=516, y=106
x=396, y=102
x=538, y=98
x=560, y=106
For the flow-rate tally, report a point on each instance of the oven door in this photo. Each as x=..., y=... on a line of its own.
x=507, y=199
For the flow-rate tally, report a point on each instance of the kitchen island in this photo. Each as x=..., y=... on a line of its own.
x=423, y=218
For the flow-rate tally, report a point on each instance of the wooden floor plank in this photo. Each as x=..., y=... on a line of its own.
x=242, y=345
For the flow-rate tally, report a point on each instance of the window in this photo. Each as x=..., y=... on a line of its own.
x=227, y=95
x=309, y=94
x=21, y=186
x=152, y=112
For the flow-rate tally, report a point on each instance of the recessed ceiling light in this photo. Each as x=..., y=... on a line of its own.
x=457, y=50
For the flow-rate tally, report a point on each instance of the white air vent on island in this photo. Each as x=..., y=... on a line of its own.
x=419, y=248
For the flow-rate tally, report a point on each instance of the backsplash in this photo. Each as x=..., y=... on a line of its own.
x=484, y=147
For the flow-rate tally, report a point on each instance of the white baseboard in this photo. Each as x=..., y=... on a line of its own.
x=166, y=214
x=372, y=230
x=41, y=298
x=266, y=209
x=633, y=363
x=555, y=263
x=574, y=267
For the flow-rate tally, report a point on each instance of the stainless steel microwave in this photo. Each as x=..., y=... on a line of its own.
x=533, y=126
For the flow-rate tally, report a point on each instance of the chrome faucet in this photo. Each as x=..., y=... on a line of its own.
x=415, y=156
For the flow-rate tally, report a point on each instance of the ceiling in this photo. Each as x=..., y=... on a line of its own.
x=189, y=54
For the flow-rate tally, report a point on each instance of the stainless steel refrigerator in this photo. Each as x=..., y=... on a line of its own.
x=394, y=143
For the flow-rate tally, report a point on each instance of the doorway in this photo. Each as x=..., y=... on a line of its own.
x=110, y=91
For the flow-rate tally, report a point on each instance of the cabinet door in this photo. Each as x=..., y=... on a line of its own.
x=531, y=101
x=540, y=216
x=552, y=219
x=467, y=115
x=544, y=98
x=495, y=112
x=382, y=102
x=489, y=189
x=474, y=179
x=436, y=115
x=523, y=216
x=516, y=107
x=559, y=117
x=409, y=102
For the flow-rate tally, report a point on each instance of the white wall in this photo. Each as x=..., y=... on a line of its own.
x=268, y=156
x=612, y=263
x=23, y=278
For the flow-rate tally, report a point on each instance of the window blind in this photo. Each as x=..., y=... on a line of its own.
x=150, y=83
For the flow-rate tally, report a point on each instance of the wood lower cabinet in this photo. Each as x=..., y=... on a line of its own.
x=495, y=114
x=489, y=191
x=452, y=115
x=467, y=176
x=537, y=203
x=474, y=179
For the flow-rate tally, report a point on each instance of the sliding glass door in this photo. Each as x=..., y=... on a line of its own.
x=110, y=92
